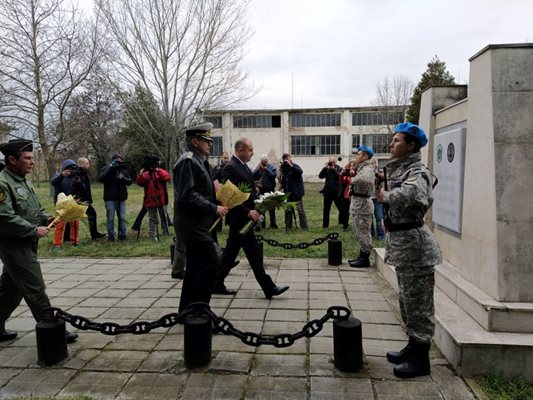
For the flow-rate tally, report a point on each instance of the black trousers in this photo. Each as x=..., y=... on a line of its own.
x=331, y=197
x=252, y=251
x=91, y=218
x=199, y=281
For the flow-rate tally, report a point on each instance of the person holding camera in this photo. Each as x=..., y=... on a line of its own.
x=345, y=180
x=265, y=177
x=154, y=178
x=67, y=181
x=331, y=189
x=116, y=179
x=292, y=182
x=86, y=197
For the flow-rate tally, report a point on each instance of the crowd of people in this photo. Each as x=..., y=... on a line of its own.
x=397, y=197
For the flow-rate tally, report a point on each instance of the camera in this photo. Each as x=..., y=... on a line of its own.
x=118, y=165
x=74, y=169
x=150, y=163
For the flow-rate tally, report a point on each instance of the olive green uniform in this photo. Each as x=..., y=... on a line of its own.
x=20, y=215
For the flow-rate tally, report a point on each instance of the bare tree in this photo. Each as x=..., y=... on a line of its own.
x=47, y=49
x=393, y=97
x=187, y=53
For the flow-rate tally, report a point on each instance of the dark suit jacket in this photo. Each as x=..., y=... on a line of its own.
x=236, y=172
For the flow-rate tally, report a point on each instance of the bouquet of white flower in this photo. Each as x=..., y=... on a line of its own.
x=267, y=202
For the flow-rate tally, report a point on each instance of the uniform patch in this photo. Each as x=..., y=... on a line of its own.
x=20, y=191
x=2, y=195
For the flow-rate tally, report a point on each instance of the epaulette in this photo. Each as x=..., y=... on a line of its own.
x=189, y=154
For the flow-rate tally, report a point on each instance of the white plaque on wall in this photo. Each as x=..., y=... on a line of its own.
x=448, y=167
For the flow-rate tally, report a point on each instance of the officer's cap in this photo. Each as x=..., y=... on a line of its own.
x=15, y=146
x=367, y=149
x=412, y=130
x=202, y=131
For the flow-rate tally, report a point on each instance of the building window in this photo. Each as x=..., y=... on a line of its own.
x=379, y=142
x=377, y=118
x=256, y=121
x=215, y=120
x=216, y=150
x=356, y=142
x=299, y=120
x=315, y=145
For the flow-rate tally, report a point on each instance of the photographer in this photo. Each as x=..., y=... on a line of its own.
x=265, y=178
x=292, y=182
x=153, y=178
x=116, y=179
x=66, y=181
x=221, y=164
x=85, y=196
x=331, y=190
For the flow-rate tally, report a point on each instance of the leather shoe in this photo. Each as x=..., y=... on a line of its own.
x=7, y=335
x=178, y=275
x=225, y=291
x=276, y=291
x=98, y=235
x=71, y=337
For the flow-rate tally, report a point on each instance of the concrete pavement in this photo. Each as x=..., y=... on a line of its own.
x=150, y=366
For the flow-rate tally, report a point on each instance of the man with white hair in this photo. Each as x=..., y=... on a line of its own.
x=265, y=178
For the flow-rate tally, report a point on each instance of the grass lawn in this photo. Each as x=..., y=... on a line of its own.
x=144, y=246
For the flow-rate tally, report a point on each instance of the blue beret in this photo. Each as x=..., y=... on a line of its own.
x=367, y=149
x=412, y=130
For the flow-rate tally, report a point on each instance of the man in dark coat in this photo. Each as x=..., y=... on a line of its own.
x=238, y=172
x=195, y=210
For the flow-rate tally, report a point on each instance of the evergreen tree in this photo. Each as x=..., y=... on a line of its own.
x=435, y=75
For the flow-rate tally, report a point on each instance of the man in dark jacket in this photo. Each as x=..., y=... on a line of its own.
x=195, y=210
x=116, y=180
x=265, y=176
x=238, y=172
x=86, y=197
x=292, y=182
x=331, y=190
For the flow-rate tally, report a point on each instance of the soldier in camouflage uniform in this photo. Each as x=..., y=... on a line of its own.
x=361, y=205
x=410, y=246
x=22, y=223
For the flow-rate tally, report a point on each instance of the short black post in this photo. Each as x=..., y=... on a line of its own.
x=334, y=252
x=51, y=341
x=197, y=340
x=348, y=345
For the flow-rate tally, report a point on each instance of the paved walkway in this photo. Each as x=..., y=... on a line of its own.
x=150, y=366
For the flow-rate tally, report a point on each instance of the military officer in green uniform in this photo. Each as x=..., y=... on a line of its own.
x=22, y=223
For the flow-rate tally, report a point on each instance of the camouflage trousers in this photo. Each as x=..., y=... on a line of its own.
x=416, y=301
x=362, y=227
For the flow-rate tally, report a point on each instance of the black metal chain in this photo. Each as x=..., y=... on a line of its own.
x=290, y=246
x=223, y=325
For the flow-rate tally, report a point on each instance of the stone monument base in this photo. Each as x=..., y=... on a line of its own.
x=477, y=334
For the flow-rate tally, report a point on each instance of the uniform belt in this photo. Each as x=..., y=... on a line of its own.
x=404, y=226
x=364, y=196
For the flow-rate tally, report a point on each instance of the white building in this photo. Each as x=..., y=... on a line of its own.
x=311, y=136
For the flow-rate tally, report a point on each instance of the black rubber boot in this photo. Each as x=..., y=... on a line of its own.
x=398, y=357
x=362, y=262
x=417, y=363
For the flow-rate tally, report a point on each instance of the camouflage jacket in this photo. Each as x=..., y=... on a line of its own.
x=363, y=184
x=20, y=210
x=407, y=200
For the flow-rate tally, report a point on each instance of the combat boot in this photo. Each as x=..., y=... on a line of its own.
x=417, y=363
x=363, y=261
x=6, y=335
x=398, y=357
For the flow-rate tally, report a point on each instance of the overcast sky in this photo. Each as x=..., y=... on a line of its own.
x=318, y=53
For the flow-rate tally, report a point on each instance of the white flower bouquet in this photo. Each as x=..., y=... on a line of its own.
x=267, y=202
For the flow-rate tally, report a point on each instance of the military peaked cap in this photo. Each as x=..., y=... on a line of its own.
x=202, y=131
x=15, y=146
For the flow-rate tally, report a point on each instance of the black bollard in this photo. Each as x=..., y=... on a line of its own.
x=348, y=345
x=51, y=341
x=334, y=252
x=197, y=341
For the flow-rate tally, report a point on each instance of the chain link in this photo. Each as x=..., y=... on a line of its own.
x=303, y=245
x=224, y=326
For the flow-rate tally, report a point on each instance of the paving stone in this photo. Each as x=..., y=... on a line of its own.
x=32, y=382
x=161, y=361
x=225, y=361
x=369, y=305
x=104, y=385
x=78, y=358
x=450, y=385
x=135, y=342
x=135, y=302
x=214, y=387
x=279, y=365
x=340, y=388
x=279, y=388
x=407, y=390
x=374, y=296
x=123, y=361
x=321, y=365
x=153, y=387
x=114, y=292
x=20, y=357
x=382, y=331
x=87, y=312
x=6, y=374
x=243, y=314
x=170, y=342
x=376, y=317
x=286, y=315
